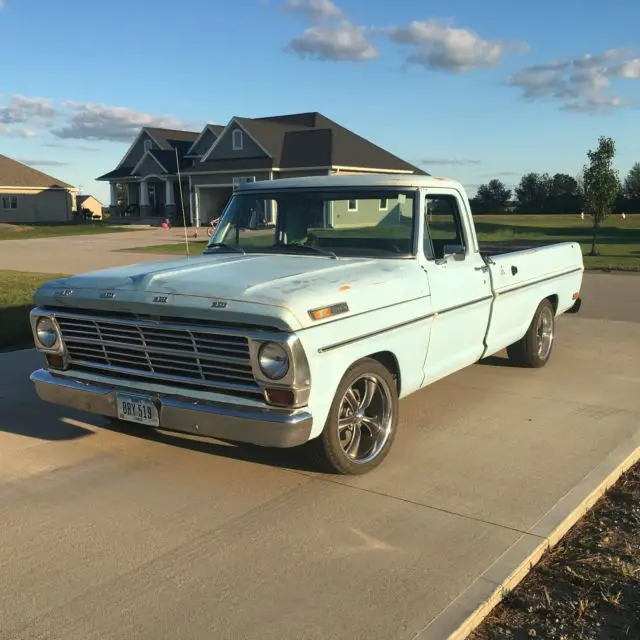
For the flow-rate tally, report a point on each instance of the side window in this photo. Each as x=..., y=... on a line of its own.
x=443, y=225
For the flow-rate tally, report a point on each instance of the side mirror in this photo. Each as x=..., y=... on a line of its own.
x=455, y=250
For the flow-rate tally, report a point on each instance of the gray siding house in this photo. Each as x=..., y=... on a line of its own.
x=166, y=172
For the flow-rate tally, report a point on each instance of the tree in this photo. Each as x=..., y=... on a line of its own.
x=631, y=187
x=601, y=184
x=533, y=192
x=564, y=194
x=493, y=197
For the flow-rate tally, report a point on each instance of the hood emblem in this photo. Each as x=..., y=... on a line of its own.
x=108, y=295
x=219, y=304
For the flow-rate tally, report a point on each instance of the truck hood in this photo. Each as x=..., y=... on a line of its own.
x=261, y=290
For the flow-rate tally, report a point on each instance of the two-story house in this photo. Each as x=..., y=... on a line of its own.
x=165, y=172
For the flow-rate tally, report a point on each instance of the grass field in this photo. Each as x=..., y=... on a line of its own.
x=618, y=240
x=16, y=291
x=26, y=232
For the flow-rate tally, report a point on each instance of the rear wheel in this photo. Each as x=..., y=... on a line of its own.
x=362, y=421
x=534, y=349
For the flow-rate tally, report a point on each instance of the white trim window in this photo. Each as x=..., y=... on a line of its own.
x=148, y=145
x=9, y=202
x=237, y=140
x=352, y=205
x=384, y=204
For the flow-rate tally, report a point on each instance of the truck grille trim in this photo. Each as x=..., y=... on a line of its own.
x=218, y=361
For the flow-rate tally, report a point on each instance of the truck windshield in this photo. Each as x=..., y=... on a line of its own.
x=361, y=222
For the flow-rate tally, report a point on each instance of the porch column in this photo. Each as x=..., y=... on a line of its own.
x=145, y=209
x=113, y=200
x=170, y=208
x=197, y=207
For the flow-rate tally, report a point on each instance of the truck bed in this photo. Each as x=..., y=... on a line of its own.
x=490, y=249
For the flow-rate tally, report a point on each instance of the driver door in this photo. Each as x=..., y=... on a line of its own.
x=459, y=283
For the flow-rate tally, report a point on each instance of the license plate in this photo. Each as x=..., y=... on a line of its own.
x=137, y=409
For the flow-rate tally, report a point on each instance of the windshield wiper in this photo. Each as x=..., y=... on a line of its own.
x=223, y=245
x=308, y=247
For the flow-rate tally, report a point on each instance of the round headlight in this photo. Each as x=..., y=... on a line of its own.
x=273, y=360
x=46, y=332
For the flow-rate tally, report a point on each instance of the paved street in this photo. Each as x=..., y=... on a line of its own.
x=117, y=532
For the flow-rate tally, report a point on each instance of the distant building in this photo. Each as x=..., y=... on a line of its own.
x=90, y=207
x=28, y=195
x=164, y=169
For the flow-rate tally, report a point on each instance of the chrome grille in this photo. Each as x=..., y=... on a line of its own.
x=156, y=352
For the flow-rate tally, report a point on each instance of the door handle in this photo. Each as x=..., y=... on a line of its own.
x=483, y=268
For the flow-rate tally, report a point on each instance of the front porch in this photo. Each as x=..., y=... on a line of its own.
x=149, y=201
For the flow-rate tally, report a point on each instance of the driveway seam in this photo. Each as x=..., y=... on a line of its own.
x=428, y=506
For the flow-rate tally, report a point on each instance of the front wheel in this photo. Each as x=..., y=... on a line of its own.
x=534, y=349
x=362, y=421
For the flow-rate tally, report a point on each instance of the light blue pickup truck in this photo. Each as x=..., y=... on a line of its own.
x=366, y=289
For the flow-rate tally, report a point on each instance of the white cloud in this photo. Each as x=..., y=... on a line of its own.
x=346, y=42
x=16, y=133
x=43, y=163
x=22, y=109
x=314, y=10
x=442, y=47
x=88, y=121
x=78, y=120
x=630, y=69
x=2, y=5
x=581, y=84
x=331, y=36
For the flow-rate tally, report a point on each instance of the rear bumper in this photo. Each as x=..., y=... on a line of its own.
x=265, y=427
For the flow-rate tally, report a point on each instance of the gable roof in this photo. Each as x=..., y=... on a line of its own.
x=172, y=138
x=293, y=141
x=216, y=129
x=312, y=140
x=17, y=174
x=81, y=199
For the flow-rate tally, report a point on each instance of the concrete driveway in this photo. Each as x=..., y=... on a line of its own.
x=116, y=532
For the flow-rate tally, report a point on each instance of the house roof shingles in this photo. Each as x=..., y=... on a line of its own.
x=17, y=174
x=296, y=140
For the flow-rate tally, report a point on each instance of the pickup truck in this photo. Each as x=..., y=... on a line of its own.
x=367, y=289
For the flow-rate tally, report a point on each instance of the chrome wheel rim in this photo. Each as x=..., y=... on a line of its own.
x=544, y=333
x=365, y=418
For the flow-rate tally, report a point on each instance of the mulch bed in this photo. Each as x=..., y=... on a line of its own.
x=588, y=586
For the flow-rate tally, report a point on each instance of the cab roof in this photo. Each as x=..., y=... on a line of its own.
x=345, y=180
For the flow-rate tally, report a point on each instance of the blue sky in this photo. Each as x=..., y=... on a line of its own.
x=470, y=90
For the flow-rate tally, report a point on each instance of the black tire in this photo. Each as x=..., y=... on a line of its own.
x=534, y=349
x=330, y=448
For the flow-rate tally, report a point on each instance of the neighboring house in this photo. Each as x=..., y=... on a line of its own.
x=211, y=163
x=90, y=206
x=28, y=195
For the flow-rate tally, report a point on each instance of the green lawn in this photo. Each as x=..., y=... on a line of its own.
x=26, y=232
x=619, y=240
x=16, y=291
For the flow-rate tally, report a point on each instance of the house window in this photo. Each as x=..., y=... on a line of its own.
x=384, y=204
x=9, y=202
x=352, y=205
x=147, y=145
x=237, y=140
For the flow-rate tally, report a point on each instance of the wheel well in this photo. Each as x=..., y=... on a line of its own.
x=554, y=302
x=389, y=361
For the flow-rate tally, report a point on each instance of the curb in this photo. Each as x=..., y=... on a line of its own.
x=474, y=604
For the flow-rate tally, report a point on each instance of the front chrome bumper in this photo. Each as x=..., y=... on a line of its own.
x=264, y=427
